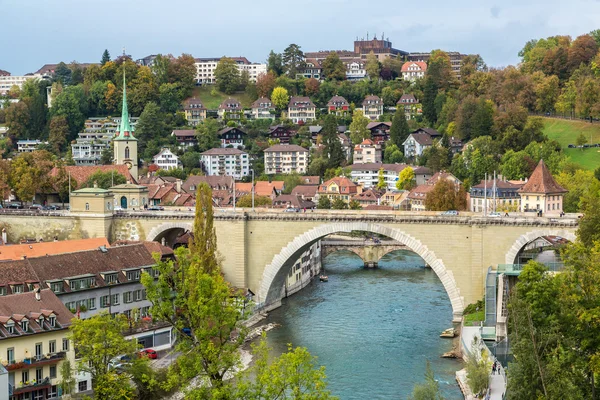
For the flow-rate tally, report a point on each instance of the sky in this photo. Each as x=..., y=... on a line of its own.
x=38, y=32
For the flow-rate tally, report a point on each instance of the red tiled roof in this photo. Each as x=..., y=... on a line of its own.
x=305, y=190
x=264, y=188
x=19, y=251
x=541, y=181
x=26, y=304
x=420, y=64
x=80, y=174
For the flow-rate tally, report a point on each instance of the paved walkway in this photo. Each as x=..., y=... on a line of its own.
x=497, y=387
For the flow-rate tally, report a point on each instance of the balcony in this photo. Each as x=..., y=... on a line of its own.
x=38, y=361
x=30, y=386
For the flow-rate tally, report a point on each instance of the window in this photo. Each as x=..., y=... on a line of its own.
x=92, y=303
x=111, y=278
x=39, y=374
x=144, y=311
x=39, y=351
x=115, y=299
x=137, y=295
x=87, y=206
x=127, y=297
x=65, y=344
x=10, y=327
x=2, y=290
x=52, y=346
x=143, y=294
x=18, y=289
x=25, y=376
x=83, y=283
x=57, y=287
x=53, y=392
x=104, y=301
x=127, y=152
x=52, y=371
x=10, y=355
x=82, y=386
x=25, y=326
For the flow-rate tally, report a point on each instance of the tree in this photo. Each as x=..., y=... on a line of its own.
x=406, y=179
x=151, y=125
x=62, y=74
x=207, y=135
x=358, y=127
x=583, y=49
x=381, y=183
x=324, y=203
x=5, y=175
x=399, y=130
x=430, y=390
x=436, y=157
x=280, y=98
x=208, y=309
x=332, y=146
x=59, y=130
x=169, y=97
x=581, y=140
x=105, y=57
x=478, y=371
x=17, y=120
x=372, y=67
x=516, y=165
x=265, y=83
x=227, y=75
x=275, y=63
x=339, y=204
x=245, y=201
x=354, y=205
x=190, y=160
x=311, y=86
x=446, y=196
x=105, y=180
x=22, y=179
x=333, y=67
x=392, y=154
x=71, y=103
x=99, y=340
x=293, y=60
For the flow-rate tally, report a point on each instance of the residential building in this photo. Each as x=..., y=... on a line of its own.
x=368, y=197
x=312, y=69
x=169, y=194
x=41, y=249
x=367, y=152
x=215, y=183
x=34, y=343
x=541, y=192
x=8, y=81
x=266, y=189
x=339, y=106
x=147, y=61
x=293, y=201
x=397, y=199
x=263, y=108
x=416, y=143
x=92, y=143
x=456, y=59
x=356, y=69
x=495, y=195
x=346, y=145
x=304, y=270
x=286, y=158
x=301, y=109
x=338, y=188
x=226, y=161
x=367, y=175
x=185, y=137
x=205, y=69
x=306, y=192
x=28, y=145
x=124, y=143
x=282, y=133
x=418, y=196
x=195, y=112
x=232, y=137
x=413, y=70
x=372, y=107
x=47, y=70
x=412, y=106
x=230, y=109
x=166, y=160
x=380, y=131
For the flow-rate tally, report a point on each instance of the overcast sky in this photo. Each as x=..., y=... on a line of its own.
x=36, y=32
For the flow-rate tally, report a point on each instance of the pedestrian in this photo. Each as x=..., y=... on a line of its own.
x=494, y=369
x=506, y=214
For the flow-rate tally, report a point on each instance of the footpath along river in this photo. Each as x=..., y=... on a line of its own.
x=373, y=329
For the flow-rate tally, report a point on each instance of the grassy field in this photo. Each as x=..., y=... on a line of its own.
x=474, y=318
x=212, y=102
x=565, y=132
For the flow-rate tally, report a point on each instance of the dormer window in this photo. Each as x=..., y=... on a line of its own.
x=111, y=279
x=57, y=287
x=10, y=327
x=41, y=321
x=2, y=290
x=17, y=289
x=133, y=275
x=25, y=325
x=52, y=321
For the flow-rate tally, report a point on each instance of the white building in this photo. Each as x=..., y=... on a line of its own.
x=8, y=81
x=89, y=146
x=415, y=143
x=226, y=161
x=205, y=69
x=367, y=152
x=27, y=145
x=413, y=70
x=307, y=267
x=263, y=108
x=367, y=175
x=372, y=107
x=285, y=159
x=301, y=109
x=355, y=69
x=166, y=160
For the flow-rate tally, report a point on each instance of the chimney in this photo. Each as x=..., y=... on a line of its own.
x=178, y=185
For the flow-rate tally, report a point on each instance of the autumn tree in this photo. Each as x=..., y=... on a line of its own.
x=265, y=83
x=381, y=183
x=582, y=50
x=227, y=75
x=333, y=67
x=59, y=131
x=372, y=67
x=245, y=201
x=444, y=196
x=280, y=98
x=406, y=179
x=358, y=127
x=311, y=86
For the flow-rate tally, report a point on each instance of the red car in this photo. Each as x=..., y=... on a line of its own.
x=150, y=353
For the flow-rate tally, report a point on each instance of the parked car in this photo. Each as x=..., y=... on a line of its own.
x=15, y=206
x=571, y=146
x=450, y=212
x=291, y=209
x=156, y=208
x=494, y=215
x=150, y=353
x=35, y=207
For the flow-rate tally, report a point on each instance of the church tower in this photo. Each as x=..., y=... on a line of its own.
x=125, y=144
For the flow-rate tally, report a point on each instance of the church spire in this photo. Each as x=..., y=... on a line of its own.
x=125, y=132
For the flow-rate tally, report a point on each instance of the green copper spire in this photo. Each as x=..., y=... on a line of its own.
x=125, y=132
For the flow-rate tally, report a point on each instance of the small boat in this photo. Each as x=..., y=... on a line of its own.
x=323, y=278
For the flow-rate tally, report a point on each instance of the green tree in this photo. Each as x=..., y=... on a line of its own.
x=381, y=183
x=275, y=63
x=17, y=120
x=72, y=104
x=445, y=196
x=227, y=75
x=339, y=204
x=62, y=74
x=372, y=67
x=99, y=340
x=169, y=97
x=333, y=67
x=581, y=140
x=392, y=154
x=293, y=60
x=358, y=127
x=207, y=135
x=436, y=157
x=105, y=180
x=245, y=201
x=280, y=98
x=324, y=203
x=59, y=130
x=209, y=311
x=151, y=125
x=105, y=57
x=478, y=371
x=399, y=131
x=406, y=179
x=190, y=160
x=331, y=142
x=354, y=205
x=430, y=390
x=516, y=165
x=581, y=184
x=67, y=380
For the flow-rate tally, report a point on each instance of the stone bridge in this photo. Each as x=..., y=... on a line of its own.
x=369, y=251
x=259, y=248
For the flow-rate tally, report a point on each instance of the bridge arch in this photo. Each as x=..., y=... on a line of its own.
x=513, y=252
x=273, y=277
x=162, y=230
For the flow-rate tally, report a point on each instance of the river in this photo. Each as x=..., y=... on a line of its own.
x=373, y=329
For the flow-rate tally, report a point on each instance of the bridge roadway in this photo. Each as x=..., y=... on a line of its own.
x=259, y=247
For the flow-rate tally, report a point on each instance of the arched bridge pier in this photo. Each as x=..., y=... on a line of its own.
x=369, y=250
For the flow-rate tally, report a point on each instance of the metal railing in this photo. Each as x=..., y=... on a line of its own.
x=32, y=361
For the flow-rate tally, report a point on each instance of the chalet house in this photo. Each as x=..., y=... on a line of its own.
x=380, y=131
x=356, y=69
x=282, y=133
x=166, y=160
x=312, y=69
x=185, y=137
x=230, y=109
x=541, y=192
x=195, y=112
x=338, y=106
x=416, y=143
x=413, y=70
x=232, y=137
x=301, y=109
x=263, y=108
x=372, y=107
